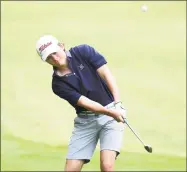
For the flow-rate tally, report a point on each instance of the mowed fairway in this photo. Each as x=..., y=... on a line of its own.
x=146, y=52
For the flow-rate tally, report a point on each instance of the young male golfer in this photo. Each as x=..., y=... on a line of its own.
x=81, y=76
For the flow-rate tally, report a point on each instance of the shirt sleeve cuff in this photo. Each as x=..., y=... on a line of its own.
x=75, y=99
x=100, y=63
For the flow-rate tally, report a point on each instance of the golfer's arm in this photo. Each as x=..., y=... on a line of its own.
x=93, y=106
x=105, y=74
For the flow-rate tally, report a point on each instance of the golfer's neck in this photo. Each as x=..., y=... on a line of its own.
x=63, y=70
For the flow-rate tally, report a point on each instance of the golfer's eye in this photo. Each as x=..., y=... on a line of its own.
x=53, y=54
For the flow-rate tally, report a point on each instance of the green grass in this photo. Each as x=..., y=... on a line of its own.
x=39, y=157
x=146, y=53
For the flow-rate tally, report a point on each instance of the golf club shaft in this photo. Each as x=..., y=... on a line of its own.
x=134, y=133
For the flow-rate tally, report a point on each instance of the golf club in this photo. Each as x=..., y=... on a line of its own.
x=147, y=147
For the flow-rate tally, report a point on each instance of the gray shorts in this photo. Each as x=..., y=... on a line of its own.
x=90, y=128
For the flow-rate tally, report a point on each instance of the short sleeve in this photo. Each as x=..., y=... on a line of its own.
x=92, y=56
x=72, y=96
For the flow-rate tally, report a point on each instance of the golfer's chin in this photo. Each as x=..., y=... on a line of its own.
x=59, y=65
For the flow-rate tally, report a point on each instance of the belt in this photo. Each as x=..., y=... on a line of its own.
x=90, y=113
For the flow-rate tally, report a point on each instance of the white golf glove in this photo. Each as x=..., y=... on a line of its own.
x=119, y=106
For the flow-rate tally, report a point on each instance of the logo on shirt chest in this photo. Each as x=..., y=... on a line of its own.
x=81, y=67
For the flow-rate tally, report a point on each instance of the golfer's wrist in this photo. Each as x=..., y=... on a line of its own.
x=109, y=112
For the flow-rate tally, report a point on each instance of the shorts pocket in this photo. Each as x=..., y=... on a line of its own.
x=114, y=125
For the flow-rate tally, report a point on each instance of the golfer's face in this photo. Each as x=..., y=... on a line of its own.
x=57, y=58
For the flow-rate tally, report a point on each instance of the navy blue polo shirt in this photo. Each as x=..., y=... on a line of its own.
x=83, y=60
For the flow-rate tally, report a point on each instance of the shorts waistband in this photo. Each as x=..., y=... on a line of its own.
x=90, y=113
x=110, y=105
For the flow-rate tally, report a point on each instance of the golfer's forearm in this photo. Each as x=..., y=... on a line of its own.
x=115, y=92
x=111, y=83
x=93, y=106
x=106, y=75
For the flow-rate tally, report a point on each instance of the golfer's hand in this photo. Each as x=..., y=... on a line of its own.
x=119, y=106
x=117, y=115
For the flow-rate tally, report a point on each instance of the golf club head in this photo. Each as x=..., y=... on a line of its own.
x=148, y=148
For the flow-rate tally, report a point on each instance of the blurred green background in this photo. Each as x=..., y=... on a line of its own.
x=146, y=51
